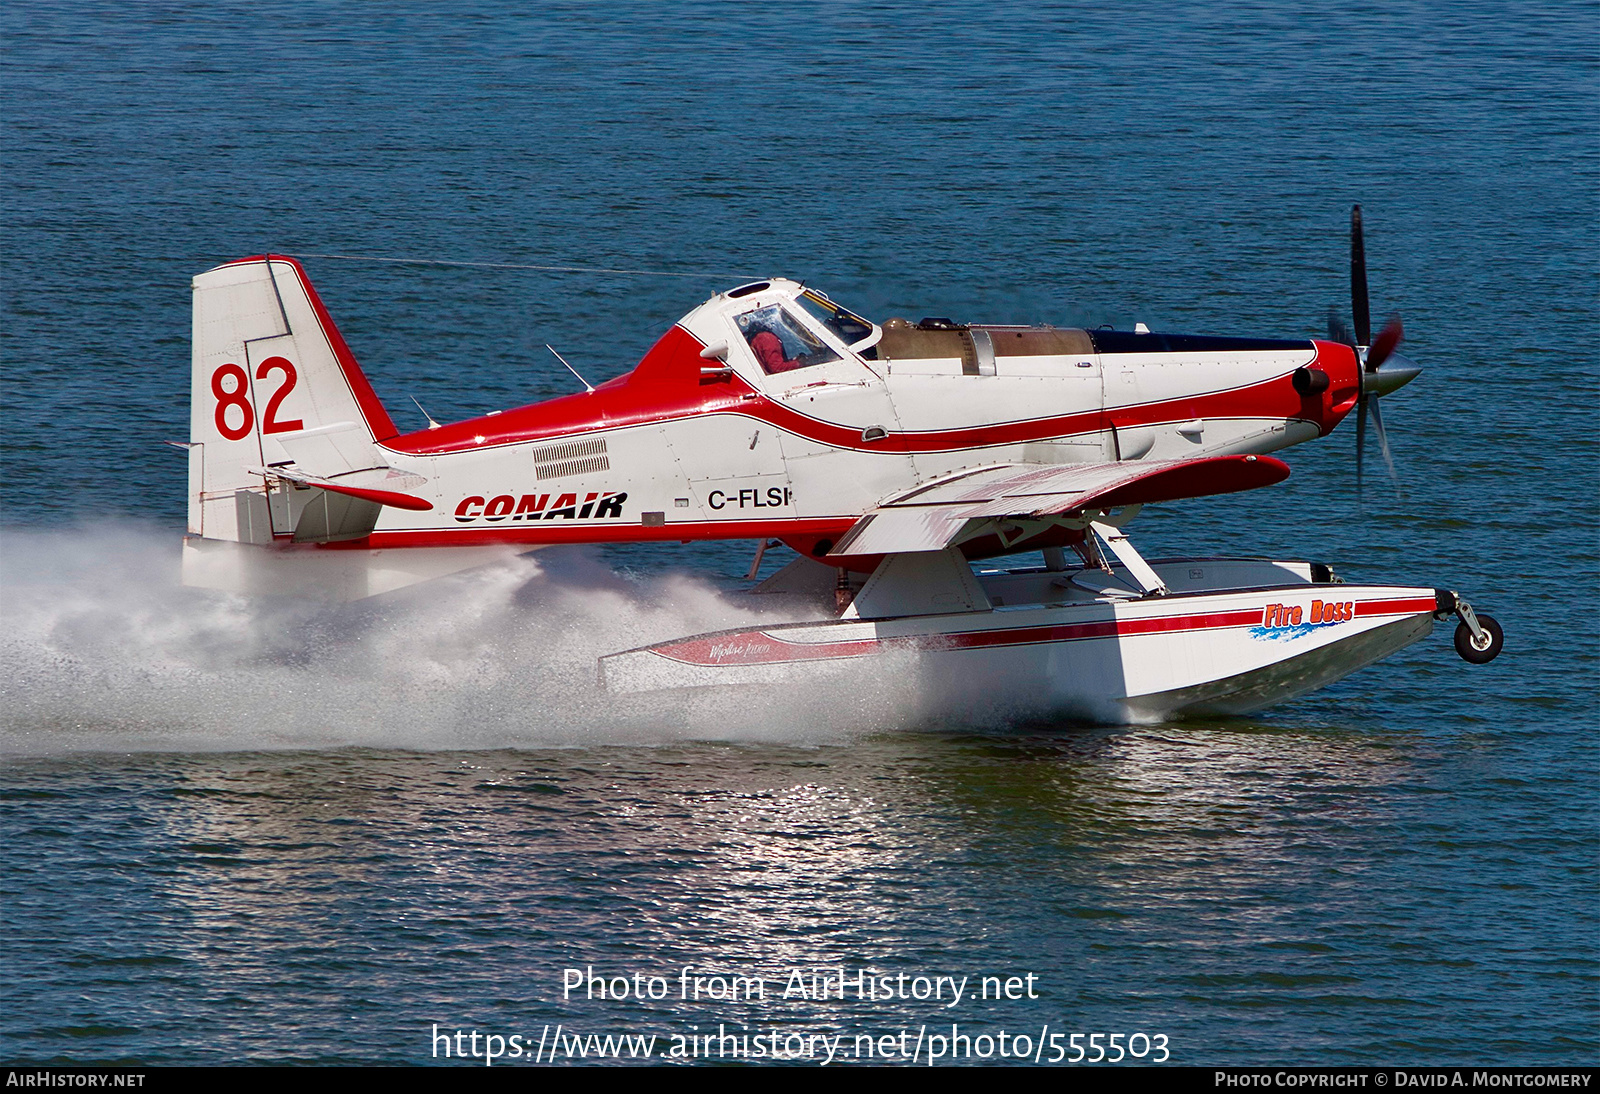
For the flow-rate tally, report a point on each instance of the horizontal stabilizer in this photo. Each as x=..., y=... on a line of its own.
x=935, y=515
x=331, y=449
x=383, y=485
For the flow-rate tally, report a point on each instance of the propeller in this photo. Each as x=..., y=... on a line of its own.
x=1382, y=369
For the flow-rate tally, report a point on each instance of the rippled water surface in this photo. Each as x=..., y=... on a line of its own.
x=233, y=830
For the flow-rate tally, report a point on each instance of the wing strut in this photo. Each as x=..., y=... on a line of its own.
x=1116, y=539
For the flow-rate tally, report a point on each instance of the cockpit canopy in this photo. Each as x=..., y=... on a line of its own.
x=799, y=329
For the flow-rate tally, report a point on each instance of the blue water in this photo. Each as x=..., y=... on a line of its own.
x=237, y=831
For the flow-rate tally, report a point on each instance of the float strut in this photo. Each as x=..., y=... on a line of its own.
x=842, y=593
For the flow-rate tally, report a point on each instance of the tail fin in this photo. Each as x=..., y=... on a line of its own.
x=275, y=387
x=272, y=381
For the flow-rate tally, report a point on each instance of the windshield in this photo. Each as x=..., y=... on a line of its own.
x=850, y=328
x=780, y=343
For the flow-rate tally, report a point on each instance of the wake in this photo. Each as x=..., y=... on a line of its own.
x=104, y=649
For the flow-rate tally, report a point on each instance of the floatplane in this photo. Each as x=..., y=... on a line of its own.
x=889, y=457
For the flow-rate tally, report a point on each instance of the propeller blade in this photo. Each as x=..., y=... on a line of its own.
x=1338, y=329
x=1388, y=338
x=1361, y=438
x=1383, y=441
x=1358, y=279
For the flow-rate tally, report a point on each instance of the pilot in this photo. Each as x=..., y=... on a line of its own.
x=768, y=348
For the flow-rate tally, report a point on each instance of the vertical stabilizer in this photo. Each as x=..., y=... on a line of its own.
x=268, y=364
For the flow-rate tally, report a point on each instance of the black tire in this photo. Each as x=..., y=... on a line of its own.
x=1471, y=651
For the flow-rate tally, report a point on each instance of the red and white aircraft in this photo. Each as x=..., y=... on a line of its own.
x=768, y=412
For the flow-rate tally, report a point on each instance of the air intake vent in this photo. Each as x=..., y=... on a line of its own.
x=559, y=461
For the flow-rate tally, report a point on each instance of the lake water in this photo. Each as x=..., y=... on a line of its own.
x=236, y=831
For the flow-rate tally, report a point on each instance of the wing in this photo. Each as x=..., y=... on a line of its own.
x=938, y=514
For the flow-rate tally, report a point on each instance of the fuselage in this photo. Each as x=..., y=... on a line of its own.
x=770, y=412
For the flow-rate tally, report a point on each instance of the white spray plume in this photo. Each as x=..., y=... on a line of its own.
x=103, y=648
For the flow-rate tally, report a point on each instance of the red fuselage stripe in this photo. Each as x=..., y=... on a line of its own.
x=545, y=532
x=1256, y=400
x=1396, y=607
x=629, y=401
